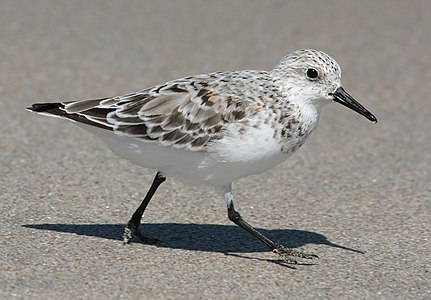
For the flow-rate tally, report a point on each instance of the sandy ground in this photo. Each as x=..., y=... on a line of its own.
x=357, y=194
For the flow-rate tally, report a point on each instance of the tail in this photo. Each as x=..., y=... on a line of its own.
x=50, y=109
x=81, y=111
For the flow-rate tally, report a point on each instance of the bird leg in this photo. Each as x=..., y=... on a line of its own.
x=285, y=253
x=132, y=227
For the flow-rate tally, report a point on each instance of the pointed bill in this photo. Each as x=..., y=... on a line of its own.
x=342, y=97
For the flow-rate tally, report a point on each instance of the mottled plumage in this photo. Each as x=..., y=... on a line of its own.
x=214, y=128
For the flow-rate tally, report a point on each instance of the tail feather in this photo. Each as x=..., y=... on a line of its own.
x=58, y=110
x=52, y=108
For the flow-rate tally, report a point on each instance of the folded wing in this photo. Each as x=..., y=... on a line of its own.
x=186, y=113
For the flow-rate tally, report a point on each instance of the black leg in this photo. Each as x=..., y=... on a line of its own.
x=235, y=217
x=132, y=227
x=285, y=253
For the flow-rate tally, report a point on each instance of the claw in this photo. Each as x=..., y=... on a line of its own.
x=127, y=235
x=132, y=230
x=287, y=254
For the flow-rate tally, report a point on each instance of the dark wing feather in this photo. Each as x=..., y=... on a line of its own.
x=185, y=113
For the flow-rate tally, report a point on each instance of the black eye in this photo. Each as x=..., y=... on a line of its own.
x=312, y=73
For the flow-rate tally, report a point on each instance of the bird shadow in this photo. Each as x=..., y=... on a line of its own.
x=198, y=237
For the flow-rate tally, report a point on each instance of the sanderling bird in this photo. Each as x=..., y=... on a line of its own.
x=213, y=128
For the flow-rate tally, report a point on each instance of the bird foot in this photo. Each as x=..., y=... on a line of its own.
x=287, y=254
x=132, y=230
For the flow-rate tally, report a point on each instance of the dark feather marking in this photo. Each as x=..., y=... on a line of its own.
x=202, y=92
x=58, y=110
x=204, y=84
x=132, y=98
x=195, y=116
x=192, y=126
x=199, y=142
x=238, y=114
x=177, y=89
x=173, y=136
x=175, y=120
x=160, y=104
x=98, y=113
x=83, y=105
x=185, y=140
x=54, y=108
x=114, y=119
x=212, y=121
x=136, y=130
x=217, y=131
x=84, y=120
x=155, y=119
x=132, y=108
x=155, y=130
x=205, y=100
x=157, y=90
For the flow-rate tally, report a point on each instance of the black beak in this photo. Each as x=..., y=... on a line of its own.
x=341, y=96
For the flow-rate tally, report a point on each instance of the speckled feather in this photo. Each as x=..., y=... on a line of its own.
x=187, y=113
x=241, y=122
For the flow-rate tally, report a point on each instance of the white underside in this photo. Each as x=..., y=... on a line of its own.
x=235, y=156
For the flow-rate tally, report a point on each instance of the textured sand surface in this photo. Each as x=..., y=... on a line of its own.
x=354, y=187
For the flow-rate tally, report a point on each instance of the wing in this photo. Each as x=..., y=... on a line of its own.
x=186, y=113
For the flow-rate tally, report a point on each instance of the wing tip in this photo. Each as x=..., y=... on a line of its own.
x=44, y=107
x=57, y=109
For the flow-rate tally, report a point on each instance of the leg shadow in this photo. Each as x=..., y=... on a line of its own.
x=198, y=237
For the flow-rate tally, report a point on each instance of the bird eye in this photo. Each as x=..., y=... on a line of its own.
x=312, y=73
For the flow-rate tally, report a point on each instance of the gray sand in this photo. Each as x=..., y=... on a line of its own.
x=354, y=187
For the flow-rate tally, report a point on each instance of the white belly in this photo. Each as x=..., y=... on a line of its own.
x=232, y=157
